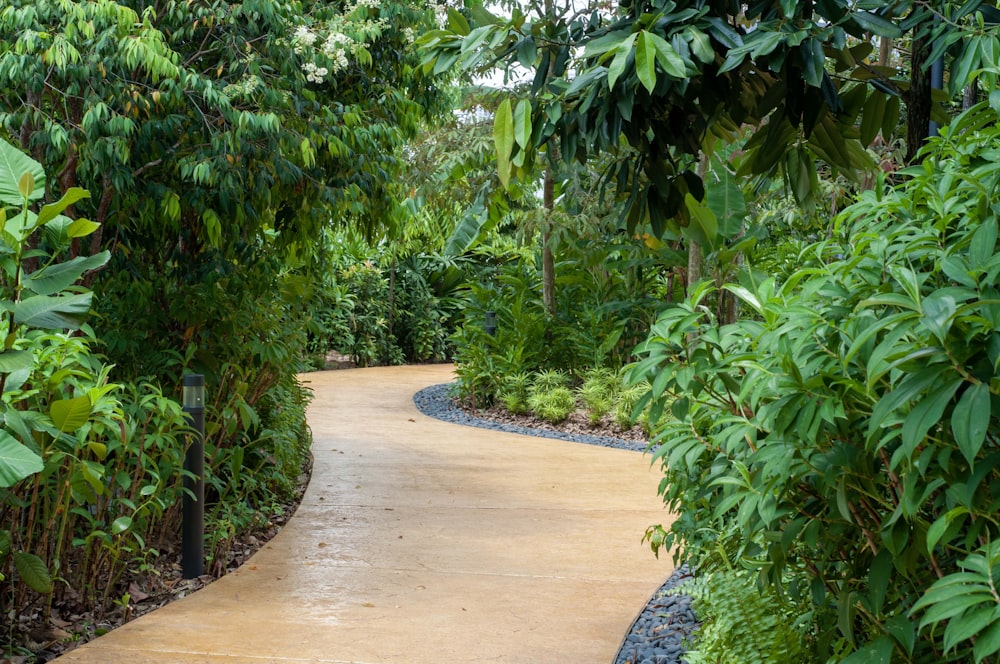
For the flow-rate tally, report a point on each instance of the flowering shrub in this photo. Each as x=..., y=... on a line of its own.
x=329, y=46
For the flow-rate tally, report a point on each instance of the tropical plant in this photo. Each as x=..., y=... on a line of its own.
x=846, y=431
x=80, y=478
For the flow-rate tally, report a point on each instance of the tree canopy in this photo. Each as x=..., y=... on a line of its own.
x=658, y=82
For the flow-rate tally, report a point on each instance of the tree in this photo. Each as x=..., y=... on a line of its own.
x=671, y=79
x=216, y=133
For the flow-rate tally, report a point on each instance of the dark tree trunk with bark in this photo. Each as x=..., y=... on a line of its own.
x=918, y=98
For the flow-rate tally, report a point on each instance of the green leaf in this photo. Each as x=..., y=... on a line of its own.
x=53, y=312
x=726, y=200
x=926, y=414
x=669, y=59
x=33, y=572
x=55, y=278
x=522, y=123
x=971, y=419
x=939, y=310
x=700, y=43
x=617, y=67
x=457, y=22
x=877, y=25
x=987, y=643
x=813, y=62
x=15, y=360
x=878, y=651
x=16, y=461
x=872, y=115
x=81, y=228
x=645, y=61
x=503, y=137
x=121, y=524
x=52, y=210
x=13, y=165
x=70, y=414
x=704, y=227
x=471, y=227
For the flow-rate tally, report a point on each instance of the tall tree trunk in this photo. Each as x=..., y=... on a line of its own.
x=694, y=248
x=969, y=96
x=918, y=98
x=548, y=203
x=548, y=260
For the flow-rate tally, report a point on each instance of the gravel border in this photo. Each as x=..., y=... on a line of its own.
x=660, y=632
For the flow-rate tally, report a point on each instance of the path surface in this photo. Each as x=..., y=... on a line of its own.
x=422, y=542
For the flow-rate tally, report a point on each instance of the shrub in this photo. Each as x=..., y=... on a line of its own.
x=598, y=392
x=552, y=405
x=849, y=431
x=514, y=394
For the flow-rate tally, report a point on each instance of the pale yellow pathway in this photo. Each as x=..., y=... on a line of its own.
x=422, y=542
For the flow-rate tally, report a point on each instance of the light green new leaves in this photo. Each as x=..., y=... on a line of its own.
x=70, y=414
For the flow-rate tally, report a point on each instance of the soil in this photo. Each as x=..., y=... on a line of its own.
x=71, y=624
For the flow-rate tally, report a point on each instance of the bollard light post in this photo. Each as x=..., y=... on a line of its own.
x=193, y=544
x=491, y=323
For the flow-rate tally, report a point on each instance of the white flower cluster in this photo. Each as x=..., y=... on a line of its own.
x=329, y=47
x=303, y=38
x=409, y=35
x=243, y=88
x=440, y=12
x=314, y=74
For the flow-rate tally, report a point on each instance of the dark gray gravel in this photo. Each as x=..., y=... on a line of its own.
x=661, y=631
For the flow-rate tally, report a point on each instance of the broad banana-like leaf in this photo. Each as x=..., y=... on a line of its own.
x=55, y=278
x=13, y=166
x=16, y=461
x=53, y=312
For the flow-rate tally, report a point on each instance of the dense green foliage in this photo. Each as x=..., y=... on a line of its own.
x=842, y=441
x=88, y=468
x=221, y=141
x=742, y=625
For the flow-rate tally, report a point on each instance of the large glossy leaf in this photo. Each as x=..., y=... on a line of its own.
x=668, y=57
x=70, y=414
x=620, y=60
x=704, y=227
x=55, y=278
x=13, y=165
x=522, y=124
x=468, y=231
x=645, y=61
x=503, y=137
x=16, y=461
x=53, y=312
x=52, y=210
x=726, y=200
x=15, y=360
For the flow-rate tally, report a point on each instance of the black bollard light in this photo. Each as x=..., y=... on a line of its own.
x=193, y=544
x=491, y=323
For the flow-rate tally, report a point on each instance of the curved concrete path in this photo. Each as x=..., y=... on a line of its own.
x=422, y=542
